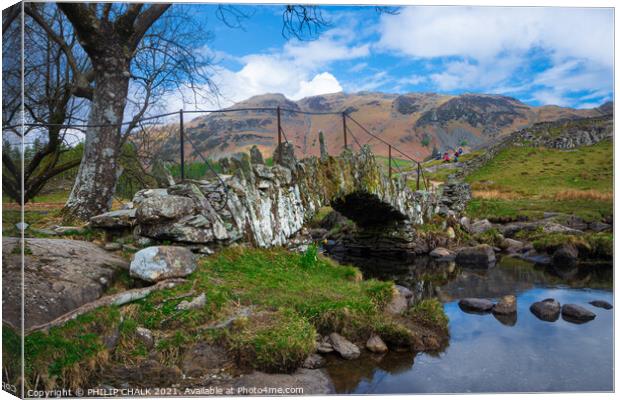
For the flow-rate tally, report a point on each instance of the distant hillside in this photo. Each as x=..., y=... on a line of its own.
x=415, y=123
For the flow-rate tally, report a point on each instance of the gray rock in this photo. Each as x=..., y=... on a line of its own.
x=323, y=346
x=440, y=252
x=401, y=300
x=144, y=241
x=481, y=256
x=156, y=209
x=59, y=276
x=480, y=226
x=475, y=305
x=597, y=226
x=506, y=305
x=61, y=230
x=376, y=344
x=602, y=304
x=161, y=173
x=196, y=303
x=546, y=310
x=145, y=336
x=118, y=219
x=511, y=245
x=576, y=314
x=314, y=361
x=342, y=346
x=285, y=156
x=157, y=263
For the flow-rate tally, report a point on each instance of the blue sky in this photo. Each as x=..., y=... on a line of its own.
x=561, y=56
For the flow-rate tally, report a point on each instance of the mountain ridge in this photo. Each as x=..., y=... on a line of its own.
x=415, y=123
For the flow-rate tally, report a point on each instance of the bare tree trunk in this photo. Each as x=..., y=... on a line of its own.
x=95, y=183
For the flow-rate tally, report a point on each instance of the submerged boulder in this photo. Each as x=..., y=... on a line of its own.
x=157, y=263
x=546, y=310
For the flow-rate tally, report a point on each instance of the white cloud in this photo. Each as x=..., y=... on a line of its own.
x=298, y=70
x=484, y=48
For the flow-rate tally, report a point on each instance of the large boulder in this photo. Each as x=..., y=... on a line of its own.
x=546, y=310
x=482, y=256
x=576, y=314
x=342, y=346
x=155, y=209
x=474, y=305
x=59, y=276
x=157, y=263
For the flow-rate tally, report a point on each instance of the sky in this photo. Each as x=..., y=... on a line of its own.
x=539, y=55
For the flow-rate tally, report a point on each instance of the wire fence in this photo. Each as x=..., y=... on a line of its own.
x=354, y=135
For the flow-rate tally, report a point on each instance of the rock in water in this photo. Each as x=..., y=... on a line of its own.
x=576, y=314
x=481, y=256
x=256, y=157
x=376, y=345
x=314, y=361
x=476, y=305
x=602, y=304
x=324, y=346
x=546, y=310
x=342, y=346
x=59, y=276
x=506, y=305
x=440, y=252
x=157, y=263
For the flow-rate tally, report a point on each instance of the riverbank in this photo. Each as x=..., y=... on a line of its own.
x=258, y=310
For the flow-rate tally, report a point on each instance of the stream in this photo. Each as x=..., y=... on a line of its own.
x=486, y=354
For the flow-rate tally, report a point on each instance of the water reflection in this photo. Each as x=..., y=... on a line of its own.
x=495, y=353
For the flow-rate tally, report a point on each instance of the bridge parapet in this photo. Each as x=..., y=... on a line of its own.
x=267, y=206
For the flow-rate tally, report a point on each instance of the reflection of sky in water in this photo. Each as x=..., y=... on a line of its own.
x=533, y=355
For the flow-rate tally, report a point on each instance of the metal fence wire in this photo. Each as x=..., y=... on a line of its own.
x=421, y=180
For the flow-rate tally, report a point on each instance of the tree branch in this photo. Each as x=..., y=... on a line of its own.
x=144, y=22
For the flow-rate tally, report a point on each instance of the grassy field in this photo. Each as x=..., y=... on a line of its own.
x=527, y=181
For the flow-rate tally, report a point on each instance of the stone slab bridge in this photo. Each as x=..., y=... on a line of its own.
x=267, y=206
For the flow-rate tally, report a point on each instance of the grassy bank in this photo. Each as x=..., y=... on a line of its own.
x=292, y=297
x=526, y=181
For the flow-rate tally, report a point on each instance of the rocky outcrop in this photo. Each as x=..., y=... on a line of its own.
x=454, y=197
x=157, y=263
x=266, y=206
x=59, y=276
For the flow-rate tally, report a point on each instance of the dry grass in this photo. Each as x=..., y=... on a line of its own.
x=572, y=194
x=493, y=194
